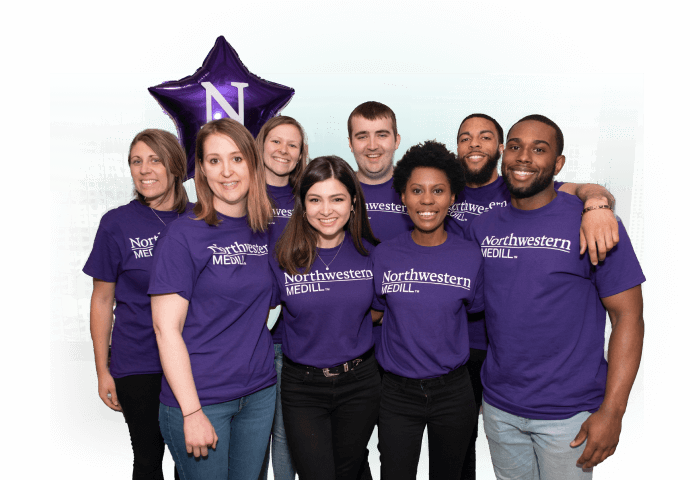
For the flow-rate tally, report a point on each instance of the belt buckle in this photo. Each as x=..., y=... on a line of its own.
x=327, y=373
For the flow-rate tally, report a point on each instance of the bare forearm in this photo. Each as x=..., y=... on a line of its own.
x=100, y=330
x=177, y=369
x=624, y=356
x=625, y=347
x=592, y=192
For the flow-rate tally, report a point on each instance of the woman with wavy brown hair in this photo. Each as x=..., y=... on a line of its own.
x=330, y=381
x=211, y=290
x=120, y=263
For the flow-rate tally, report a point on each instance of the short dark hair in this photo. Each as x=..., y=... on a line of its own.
x=499, y=129
x=296, y=248
x=372, y=111
x=558, y=135
x=430, y=154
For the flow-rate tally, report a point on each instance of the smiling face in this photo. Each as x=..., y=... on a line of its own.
x=373, y=144
x=479, y=150
x=227, y=174
x=327, y=205
x=428, y=198
x=281, y=153
x=530, y=160
x=150, y=176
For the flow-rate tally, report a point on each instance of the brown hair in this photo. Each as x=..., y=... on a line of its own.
x=304, y=148
x=170, y=152
x=296, y=248
x=373, y=111
x=258, y=206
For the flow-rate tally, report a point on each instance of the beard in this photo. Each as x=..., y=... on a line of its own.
x=483, y=175
x=539, y=183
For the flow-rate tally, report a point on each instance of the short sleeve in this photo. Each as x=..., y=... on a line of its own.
x=105, y=258
x=477, y=304
x=276, y=295
x=378, y=301
x=173, y=269
x=620, y=270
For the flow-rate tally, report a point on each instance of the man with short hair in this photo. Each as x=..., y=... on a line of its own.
x=480, y=146
x=552, y=406
x=373, y=139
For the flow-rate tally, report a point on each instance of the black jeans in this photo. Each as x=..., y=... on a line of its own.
x=444, y=404
x=476, y=360
x=138, y=396
x=329, y=420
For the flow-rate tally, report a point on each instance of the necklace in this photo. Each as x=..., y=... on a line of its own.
x=336, y=253
x=161, y=220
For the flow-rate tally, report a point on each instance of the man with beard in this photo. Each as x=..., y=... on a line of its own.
x=552, y=405
x=480, y=146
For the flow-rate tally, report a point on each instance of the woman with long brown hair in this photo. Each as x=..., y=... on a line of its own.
x=120, y=263
x=330, y=381
x=211, y=290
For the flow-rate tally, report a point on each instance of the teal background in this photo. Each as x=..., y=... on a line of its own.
x=658, y=441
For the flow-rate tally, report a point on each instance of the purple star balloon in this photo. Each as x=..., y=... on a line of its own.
x=222, y=87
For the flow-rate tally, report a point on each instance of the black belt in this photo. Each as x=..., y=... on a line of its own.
x=428, y=381
x=333, y=371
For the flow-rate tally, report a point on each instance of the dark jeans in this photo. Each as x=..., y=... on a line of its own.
x=138, y=396
x=329, y=420
x=444, y=404
x=476, y=360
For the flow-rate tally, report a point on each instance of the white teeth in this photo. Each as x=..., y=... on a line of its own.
x=148, y=182
x=229, y=184
x=426, y=214
x=519, y=172
x=283, y=160
x=374, y=156
x=327, y=221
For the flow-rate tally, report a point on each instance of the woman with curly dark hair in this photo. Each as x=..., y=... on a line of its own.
x=426, y=281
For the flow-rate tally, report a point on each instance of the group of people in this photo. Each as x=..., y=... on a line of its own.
x=413, y=295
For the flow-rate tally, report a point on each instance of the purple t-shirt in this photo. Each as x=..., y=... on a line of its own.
x=544, y=316
x=123, y=254
x=468, y=205
x=223, y=272
x=388, y=218
x=425, y=293
x=387, y=214
x=283, y=205
x=327, y=312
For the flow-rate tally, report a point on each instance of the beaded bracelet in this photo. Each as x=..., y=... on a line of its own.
x=595, y=207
